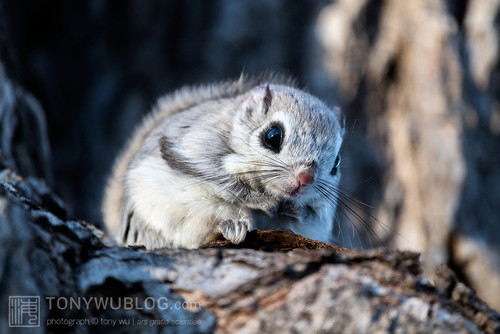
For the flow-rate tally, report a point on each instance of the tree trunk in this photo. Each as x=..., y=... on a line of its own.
x=422, y=79
x=75, y=270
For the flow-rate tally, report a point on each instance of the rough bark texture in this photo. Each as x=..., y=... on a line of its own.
x=284, y=289
x=419, y=83
x=428, y=90
x=270, y=241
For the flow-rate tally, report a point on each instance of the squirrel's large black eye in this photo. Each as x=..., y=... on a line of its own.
x=336, y=165
x=273, y=138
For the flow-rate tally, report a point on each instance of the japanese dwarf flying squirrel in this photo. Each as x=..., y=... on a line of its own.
x=254, y=153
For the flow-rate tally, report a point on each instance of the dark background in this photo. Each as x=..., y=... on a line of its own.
x=418, y=83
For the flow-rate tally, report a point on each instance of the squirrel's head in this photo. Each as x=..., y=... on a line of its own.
x=285, y=146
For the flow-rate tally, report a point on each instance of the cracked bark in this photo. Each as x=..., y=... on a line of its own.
x=274, y=281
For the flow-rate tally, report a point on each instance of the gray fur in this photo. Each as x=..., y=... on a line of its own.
x=198, y=166
x=174, y=160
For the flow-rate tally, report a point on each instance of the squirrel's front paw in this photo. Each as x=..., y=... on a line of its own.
x=234, y=230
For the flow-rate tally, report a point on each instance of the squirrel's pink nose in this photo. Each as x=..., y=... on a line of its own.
x=304, y=178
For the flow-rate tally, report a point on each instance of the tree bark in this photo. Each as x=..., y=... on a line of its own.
x=286, y=283
x=421, y=79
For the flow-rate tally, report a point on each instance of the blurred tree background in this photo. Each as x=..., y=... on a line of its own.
x=419, y=83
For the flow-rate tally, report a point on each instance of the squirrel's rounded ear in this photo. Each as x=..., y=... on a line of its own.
x=268, y=98
x=340, y=115
x=260, y=101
